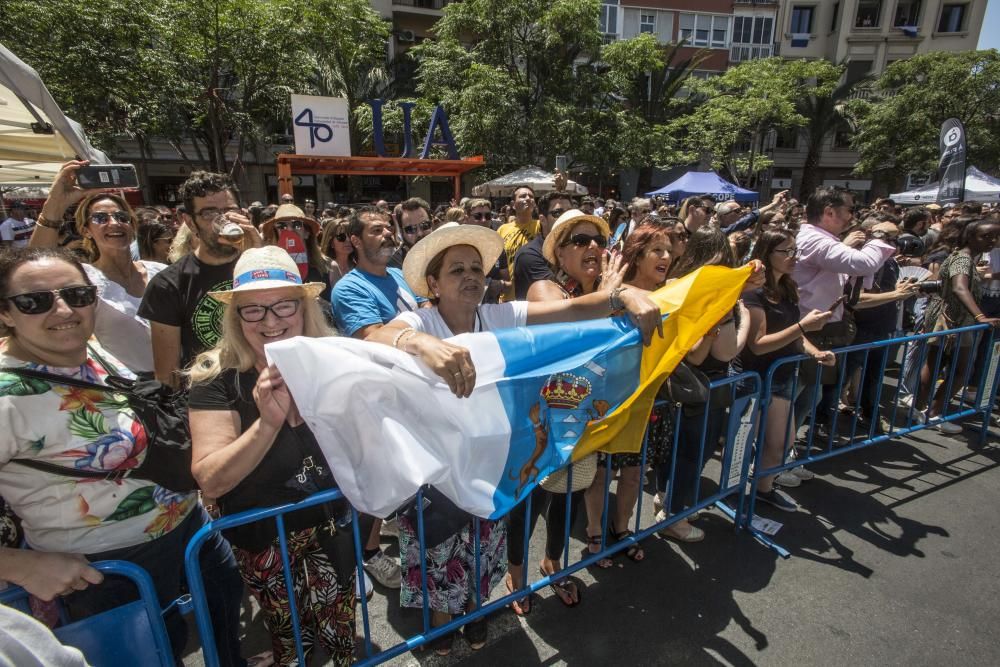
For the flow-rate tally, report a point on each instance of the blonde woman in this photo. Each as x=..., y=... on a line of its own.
x=251, y=448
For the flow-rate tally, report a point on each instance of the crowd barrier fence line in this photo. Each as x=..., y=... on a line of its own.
x=813, y=452
x=743, y=431
x=744, y=394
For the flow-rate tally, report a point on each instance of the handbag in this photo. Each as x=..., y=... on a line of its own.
x=162, y=413
x=687, y=385
x=584, y=472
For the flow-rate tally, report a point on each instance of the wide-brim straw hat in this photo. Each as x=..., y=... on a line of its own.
x=289, y=212
x=268, y=267
x=564, y=224
x=485, y=240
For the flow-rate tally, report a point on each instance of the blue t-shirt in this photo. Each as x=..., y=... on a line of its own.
x=361, y=299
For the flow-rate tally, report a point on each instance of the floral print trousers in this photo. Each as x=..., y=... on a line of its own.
x=325, y=598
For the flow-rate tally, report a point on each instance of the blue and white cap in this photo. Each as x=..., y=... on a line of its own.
x=269, y=267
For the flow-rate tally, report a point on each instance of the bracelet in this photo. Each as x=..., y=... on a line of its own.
x=48, y=224
x=402, y=334
x=614, y=299
x=980, y=317
x=799, y=325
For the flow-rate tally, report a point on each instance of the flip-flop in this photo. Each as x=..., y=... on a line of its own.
x=595, y=540
x=564, y=586
x=520, y=607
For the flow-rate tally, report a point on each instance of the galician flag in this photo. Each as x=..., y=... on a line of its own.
x=544, y=395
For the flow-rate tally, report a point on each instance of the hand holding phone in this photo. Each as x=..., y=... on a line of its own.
x=841, y=299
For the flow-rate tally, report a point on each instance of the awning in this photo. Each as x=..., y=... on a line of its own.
x=35, y=136
x=703, y=183
x=978, y=187
x=536, y=178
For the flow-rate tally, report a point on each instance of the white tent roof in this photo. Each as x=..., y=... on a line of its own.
x=536, y=178
x=978, y=187
x=35, y=135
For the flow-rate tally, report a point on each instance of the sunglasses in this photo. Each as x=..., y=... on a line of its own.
x=412, y=229
x=294, y=224
x=36, y=303
x=103, y=218
x=584, y=240
x=481, y=216
x=341, y=237
x=556, y=212
x=281, y=310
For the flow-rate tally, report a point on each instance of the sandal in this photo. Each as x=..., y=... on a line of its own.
x=634, y=552
x=476, y=632
x=520, y=607
x=595, y=541
x=565, y=590
x=442, y=645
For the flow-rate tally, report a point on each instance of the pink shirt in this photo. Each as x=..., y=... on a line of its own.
x=825, y=264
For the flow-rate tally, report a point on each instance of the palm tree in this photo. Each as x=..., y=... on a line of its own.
x=826, y=115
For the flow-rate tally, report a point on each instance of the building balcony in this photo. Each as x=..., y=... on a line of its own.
x=742, y=52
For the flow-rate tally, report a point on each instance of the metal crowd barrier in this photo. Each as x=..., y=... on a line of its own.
x=744, y=395
x=938, y=350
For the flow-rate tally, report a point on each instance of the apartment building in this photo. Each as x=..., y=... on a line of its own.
x=868, y=36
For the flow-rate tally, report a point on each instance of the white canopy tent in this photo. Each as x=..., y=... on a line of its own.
x=35, y=136
x=536, y=178
x=978, y=187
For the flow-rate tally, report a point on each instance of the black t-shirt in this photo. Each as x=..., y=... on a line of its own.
x=291, y=470
x=881, y=320
x=777, y=316
x=178, y=296
x=530, y=267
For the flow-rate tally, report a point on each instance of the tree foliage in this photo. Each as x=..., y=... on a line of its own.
x=898, y=128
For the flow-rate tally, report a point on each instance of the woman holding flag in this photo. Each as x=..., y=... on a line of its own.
x=449, y=267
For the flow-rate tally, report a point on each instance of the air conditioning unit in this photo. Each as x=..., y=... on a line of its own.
x=406, y=37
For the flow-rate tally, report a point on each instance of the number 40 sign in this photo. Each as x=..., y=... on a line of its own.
x=321, y=125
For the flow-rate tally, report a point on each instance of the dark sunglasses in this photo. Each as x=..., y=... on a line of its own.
x=293, y=224
x=584, y=240
x=36, y=303
x=281, y=309
x=556, y=212
x=481, y=216
x=412, y=229
x=341, y=237
x=103, y=218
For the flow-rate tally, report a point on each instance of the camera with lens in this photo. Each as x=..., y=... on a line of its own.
x=929, y=286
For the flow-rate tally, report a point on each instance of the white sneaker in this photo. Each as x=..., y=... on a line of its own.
x=369, y=588
x=906, y=400
x=390, y=528
x=657, y=503
x=919, y=417
x=951, y=428
x=384, y=570
x=803, y=473
x=788, y=479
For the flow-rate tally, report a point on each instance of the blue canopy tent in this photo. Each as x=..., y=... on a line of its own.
x=703, y=183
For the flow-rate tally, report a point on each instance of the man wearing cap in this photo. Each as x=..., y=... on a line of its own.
x=587, y=205
x=530, y=265
x=15, y=231
x=730, y=218
x=184, y=320
x=414, y=219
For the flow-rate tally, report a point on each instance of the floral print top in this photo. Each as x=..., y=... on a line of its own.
x=88, y=430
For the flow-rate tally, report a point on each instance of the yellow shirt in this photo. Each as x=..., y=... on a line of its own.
x=515, y=235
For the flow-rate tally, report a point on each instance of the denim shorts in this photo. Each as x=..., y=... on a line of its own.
x=783, y=388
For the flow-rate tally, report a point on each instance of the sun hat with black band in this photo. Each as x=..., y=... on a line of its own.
x=485, y=240
x=287, y=213
x=268, y=267
x=564, y=225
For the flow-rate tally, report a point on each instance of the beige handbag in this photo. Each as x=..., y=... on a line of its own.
x=584, y=472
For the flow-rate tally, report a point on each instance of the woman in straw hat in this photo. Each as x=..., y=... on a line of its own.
x=291, y=218
x=251, y=448
x=449, y=267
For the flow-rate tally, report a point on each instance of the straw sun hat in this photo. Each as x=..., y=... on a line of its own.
x=564, y=225
x=268, y=267
x=289, y=212
x=485, y=240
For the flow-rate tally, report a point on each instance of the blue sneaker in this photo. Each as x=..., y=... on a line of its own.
x=779, y=499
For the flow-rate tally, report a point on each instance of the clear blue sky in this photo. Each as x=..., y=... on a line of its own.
x=989, y=38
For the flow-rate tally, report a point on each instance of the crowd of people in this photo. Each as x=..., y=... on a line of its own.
x=93, y=288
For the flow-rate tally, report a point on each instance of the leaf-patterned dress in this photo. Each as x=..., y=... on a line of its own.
x=87, y=430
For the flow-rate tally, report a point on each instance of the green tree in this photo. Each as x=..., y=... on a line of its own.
x=825, y=111
x=899, y=127
x=732, y=114
x=513, y=95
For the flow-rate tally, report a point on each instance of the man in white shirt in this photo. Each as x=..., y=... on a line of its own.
x=15, y=231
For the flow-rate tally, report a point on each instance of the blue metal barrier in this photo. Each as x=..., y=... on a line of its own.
x=913, y=418
x=130, y=634
x=744, y=395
